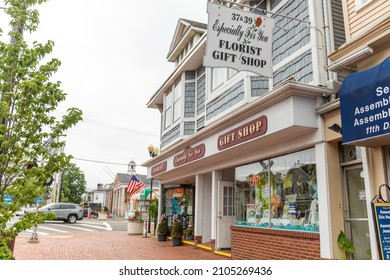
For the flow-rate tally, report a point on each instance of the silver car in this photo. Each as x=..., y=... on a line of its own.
x=67, y=212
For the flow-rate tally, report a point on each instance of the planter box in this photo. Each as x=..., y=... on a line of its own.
x=135, y=227
x=102, y=216
x=176, y=241
x=162, y=237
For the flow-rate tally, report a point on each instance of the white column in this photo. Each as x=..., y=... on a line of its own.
x=370, y=193
x=122, y=201
x=323, y=202
x=198, y=222
x=216, y=176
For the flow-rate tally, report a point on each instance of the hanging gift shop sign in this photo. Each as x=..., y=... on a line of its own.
x=239, y=40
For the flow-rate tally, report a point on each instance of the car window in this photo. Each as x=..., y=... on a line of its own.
x=51, y=206
x=68, y=206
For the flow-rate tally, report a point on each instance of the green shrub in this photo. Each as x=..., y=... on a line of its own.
x=177, y=227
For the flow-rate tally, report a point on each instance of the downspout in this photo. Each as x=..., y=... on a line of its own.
x=329, y=40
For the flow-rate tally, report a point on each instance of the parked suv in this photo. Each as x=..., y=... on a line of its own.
x=67, y=212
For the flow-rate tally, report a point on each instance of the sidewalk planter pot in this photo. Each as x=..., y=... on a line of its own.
x=177, y=231
x=162, y=237
x=135, y=227
x=177, y=241
x=190, y=234
x=162, y=229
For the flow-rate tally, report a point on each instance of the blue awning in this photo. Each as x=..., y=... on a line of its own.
x=365, y=107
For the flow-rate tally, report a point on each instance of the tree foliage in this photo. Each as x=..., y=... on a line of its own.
x=153, y=211
x=73, y=184
x=29, y=131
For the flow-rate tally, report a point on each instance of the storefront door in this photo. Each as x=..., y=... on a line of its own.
x=226, y=214
x=356, y=219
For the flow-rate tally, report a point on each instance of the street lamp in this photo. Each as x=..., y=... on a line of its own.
x=153, y=151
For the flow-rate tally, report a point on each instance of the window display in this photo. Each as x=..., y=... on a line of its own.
x=279, y=193
x=178, y=200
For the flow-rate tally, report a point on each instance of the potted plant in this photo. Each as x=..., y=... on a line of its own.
x=135, y=224
x=162, y=229
x=345, y=244
x=177, y=231
x=190, y=233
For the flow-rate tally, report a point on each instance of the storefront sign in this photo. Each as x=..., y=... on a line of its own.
x=239, y=40
x=365, y=106
x=382, y=218
x=189, y=154
x=160, y=168
x=243, y=133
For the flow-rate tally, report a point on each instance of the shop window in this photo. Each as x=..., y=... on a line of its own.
x=179, y=200
x=279, y=193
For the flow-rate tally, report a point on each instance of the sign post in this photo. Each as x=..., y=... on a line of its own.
x=381, y=212
x=34, y=235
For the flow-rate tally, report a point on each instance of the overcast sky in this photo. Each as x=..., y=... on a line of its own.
x=113, y=56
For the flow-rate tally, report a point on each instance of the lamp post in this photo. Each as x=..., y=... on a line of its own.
x=153, y=151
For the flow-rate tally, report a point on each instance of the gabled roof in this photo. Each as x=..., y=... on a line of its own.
x=185, y=31
x=124, y=179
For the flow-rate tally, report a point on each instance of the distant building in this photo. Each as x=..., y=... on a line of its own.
x=120, y=200
x=97, y=198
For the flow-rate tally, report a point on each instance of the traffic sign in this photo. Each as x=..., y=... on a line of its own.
x=7, y=199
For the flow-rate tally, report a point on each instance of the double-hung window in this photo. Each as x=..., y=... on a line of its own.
x=220, y=75
x=168, y=109
x=176, y=101
x=173, y=104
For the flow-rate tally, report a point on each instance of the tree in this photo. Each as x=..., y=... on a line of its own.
x=153, y=212
x=73, y=184
x=30, y=143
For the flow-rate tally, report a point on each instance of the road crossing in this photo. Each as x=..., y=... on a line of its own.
x=58, y=227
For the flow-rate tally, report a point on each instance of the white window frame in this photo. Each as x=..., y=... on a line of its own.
x=359, y=4
x=177, y=92
x=172, y=104
x=220, y=75
x=168, y=109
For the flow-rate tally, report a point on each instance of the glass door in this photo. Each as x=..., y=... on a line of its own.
x=355, y=212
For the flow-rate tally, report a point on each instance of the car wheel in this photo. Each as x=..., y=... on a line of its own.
x=72, y=219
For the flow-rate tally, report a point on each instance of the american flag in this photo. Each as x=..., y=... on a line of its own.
x=134, y=185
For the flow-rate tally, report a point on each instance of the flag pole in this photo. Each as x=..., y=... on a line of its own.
x=150, y=202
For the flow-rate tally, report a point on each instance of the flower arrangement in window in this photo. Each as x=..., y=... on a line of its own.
x=136, y=217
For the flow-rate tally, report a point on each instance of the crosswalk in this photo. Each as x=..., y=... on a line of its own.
x=51, y=227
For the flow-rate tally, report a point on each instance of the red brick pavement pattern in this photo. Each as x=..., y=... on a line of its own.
x=111, y=245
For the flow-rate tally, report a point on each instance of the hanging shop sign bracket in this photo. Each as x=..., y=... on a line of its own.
x=381, y=212
x=263, y=10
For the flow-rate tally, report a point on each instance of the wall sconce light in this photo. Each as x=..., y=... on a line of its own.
x=336, y=128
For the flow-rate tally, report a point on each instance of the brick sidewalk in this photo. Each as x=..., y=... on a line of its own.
x=111, y=245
